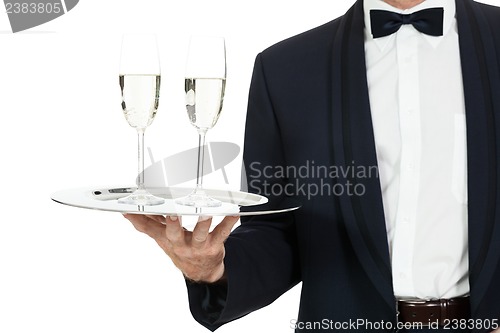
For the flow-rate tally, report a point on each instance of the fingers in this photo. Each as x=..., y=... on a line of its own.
x=149, y=224
x=201, y=231
x=158, y=218
x=222, y=230
x=173, y=230
x=159, y=227
x=198, y=254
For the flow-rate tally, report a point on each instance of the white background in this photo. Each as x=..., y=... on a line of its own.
x=65, y=269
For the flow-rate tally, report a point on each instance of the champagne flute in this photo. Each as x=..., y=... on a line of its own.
x=204, y=85
x=139, y=79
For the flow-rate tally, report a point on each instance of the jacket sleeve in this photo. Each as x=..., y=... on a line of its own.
x=261, y=259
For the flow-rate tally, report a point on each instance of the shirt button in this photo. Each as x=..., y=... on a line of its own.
x=411, y=166
x=406, y=220
x=402, y=276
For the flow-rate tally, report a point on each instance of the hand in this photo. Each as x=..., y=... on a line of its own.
x=198, y=254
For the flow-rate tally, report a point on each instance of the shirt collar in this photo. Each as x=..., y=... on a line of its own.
x=449, y=18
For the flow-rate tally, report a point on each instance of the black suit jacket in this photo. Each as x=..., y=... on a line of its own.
x=308, y=105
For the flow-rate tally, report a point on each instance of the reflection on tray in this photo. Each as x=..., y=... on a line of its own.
x=233, y=202
x=172, y=193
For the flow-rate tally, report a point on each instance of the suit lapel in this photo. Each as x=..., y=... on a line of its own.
x=482, y=87
x=354, y=145
x=354, y=149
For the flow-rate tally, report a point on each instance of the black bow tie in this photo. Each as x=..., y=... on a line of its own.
x=427, y=21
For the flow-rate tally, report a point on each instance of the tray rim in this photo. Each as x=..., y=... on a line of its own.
x=153, y=210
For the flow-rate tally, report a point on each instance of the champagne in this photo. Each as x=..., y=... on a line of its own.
x=204, y=99
x=140, y=95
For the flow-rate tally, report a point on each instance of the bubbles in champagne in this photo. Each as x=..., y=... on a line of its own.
x=140, y=96
x=204, y=99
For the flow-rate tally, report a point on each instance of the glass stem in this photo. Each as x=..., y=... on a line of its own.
x=201, y=158
x=140, y=158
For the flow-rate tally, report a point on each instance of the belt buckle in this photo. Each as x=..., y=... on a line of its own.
x=440, y=310
x=409, y=302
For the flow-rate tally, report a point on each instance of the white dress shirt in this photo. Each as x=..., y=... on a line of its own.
x=418, y=111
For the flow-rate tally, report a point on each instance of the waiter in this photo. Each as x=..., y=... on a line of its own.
x=411, y=87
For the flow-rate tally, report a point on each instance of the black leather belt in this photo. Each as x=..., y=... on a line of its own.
x=442, y=311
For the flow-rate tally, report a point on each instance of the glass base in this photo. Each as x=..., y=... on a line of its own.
x=141, y=198
x=198, y=198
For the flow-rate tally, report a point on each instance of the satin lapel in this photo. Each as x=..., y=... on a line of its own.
x=354, y=150
x=482, y=88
